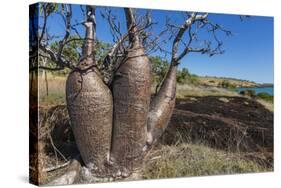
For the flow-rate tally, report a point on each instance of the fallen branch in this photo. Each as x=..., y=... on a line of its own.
x=50, y=169
x=71, y=175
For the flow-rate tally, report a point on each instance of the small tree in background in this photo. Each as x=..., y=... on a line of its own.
x=159, y=70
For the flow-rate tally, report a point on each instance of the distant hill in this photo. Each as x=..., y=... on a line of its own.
x=219, y=81
x=265, y=85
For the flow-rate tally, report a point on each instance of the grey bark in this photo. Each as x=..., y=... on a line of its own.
x=131, y=94
x=162, y=106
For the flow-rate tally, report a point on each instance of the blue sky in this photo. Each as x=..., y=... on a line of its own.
x=248, y=53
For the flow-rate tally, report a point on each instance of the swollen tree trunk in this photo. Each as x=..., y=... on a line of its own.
x=162, y=106
x=89, y=103
x=131, y=94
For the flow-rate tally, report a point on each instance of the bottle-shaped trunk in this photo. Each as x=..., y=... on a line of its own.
x=162, y=106
x=131, y=94
x=90, y=108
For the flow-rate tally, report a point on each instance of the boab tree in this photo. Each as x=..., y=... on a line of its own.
x=115, y=121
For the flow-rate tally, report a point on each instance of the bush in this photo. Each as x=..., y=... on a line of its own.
x=227, y=85
x=265, y=96
x=193, y=79
x=248, y=92
x=182, y=76
x=159, y=69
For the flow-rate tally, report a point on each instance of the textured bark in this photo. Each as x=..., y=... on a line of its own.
x=162, y=106
x=89, y=103
x=131, y=94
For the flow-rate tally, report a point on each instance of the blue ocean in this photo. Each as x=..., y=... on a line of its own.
x=258, y=90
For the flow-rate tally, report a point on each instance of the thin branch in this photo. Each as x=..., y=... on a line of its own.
x=131, y=25
x=117, y=45
x=53, y=168
x=59, y=60
x=56, y=57
x=68, y=28
x=114, y=24
x=55, y=148
x=44, y=23
x=145, y=22
x=46, y=68
x=193, y=17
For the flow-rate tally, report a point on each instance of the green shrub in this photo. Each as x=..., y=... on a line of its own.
x=193, y=79
x=265, y=96
x=227, y=85
x=182, y=76
x=248, y=92
x=159, y=69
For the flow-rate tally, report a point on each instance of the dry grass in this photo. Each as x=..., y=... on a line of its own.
x=197, y=160
x=201, y=91
x=189, y=90
x=56, y=90
x=214, y=81
x=181, y=159
x=54, y=144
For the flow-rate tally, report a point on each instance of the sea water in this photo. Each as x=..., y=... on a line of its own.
x=258, y=90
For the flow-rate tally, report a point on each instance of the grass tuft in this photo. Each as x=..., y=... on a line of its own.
x=197, y=160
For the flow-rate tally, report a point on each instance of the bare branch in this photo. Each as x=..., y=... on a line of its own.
x=53, y=168
x=131, y=25
x=197, y=21
x=59, y=60
x=114, y=24
x=117, y=45
x=130, y=18
x=44, y=22
x=145, y=22
x=46, y=68
x=191, y=19
x=68, y=28
x=52, y=55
